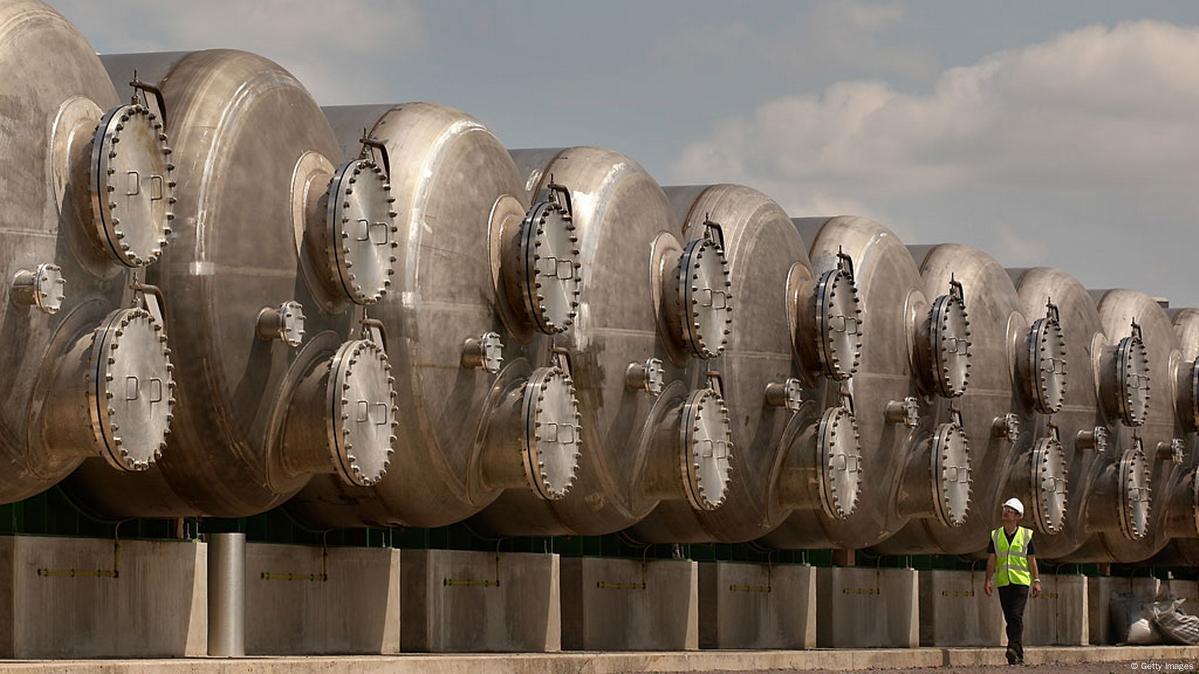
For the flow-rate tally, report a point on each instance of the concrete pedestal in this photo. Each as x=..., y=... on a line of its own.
x=87, y=598
x=1059, y=616
x=1099, y=595
x=305, y=600
x=757, y=606
x=954, y=610
x=461, y=601
x=868, y=608
x=629, y=605
x=1183, y=589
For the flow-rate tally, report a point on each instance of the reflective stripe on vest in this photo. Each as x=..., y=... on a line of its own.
x=1011, y=560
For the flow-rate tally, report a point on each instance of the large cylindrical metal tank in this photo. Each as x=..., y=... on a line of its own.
x=997, y=407
x=1144, y=463
x=913, y=351
x=1080, y=424
x=793, y=333
x=483, y=283
x=86, y=367
x=278, y=247
x=654, y=301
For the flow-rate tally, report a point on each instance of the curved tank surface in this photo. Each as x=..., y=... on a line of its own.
x=87, y=371
x=268, y=271
x=912, y=350
x=483, y=283
x=991, y=410
x=1139, y=476
x=1182, y=507
x=654, y=301
x=793, y=333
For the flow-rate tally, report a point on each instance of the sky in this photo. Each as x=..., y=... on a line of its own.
x=1061, y=133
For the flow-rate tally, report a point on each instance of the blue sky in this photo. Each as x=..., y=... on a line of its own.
x=1062, y=134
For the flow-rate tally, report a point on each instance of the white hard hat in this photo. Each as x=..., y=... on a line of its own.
x=1015, y=504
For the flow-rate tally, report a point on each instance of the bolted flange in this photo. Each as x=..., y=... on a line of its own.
x=1135, y=498
x=906, y=412
x=787, y=394
x=1006, y=427
x=1132, y=378
x=134, y=389
x=1095, y=439
x=949, y=343
x=1046, y=362
x=363, y=413
x=706, y=452
x=361, y=241
x=485, y=352
x=839, y=454
x=1173, y=451
x=132, y=185
x=1049, y=480
x=284, y=323
x=550, y=272
x=648, y=376
x=950, y=466
x=552, y=435
x=43, y=288
x=839, y=321
x=704, y=298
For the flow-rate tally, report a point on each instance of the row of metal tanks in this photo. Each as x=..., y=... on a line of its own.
x=380, y=316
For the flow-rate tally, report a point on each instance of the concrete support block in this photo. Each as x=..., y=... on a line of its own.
x=1183, y=589
x=1099, y=595
x=462, y=601
x=306, y=600
x=629, y=604
x=954, y=610
x=88, y=598
x=870, y=608
x=1059, y=616
x=757, y=606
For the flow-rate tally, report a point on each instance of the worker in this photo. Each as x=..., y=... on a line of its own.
x=1013, y=553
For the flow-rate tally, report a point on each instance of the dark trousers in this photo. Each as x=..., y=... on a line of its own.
x=1013, y=598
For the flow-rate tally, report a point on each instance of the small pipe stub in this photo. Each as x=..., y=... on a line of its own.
x=906, y=412
x=839, y=453
x=1173, y=451
x=1045, y=362
x=361, y=239
x=647, y=376
x=707, y=447
x=43, y=288
x=132, y=184
x=552, y=436
x=1095, y=439
x=787, y=394
x=363, y=412
x=704, y=299
x=284, y=323
x=1049, y=481
x=485, y=352
x=1006, y=427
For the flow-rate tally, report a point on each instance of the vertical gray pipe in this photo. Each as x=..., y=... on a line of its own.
x=227, y=595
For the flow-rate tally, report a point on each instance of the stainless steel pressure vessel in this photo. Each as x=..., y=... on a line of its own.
x=913, y=351
x=278, y=247
x=1079, y=424
x=88, y=197
x=995, y=410
x=482, y=286
x=794, y=333
x=653, y=302
x=1146, y=467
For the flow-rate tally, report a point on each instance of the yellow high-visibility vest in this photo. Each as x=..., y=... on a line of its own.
x=1011, y=560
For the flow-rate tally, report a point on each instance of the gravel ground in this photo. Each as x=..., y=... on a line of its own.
x=1163, y=666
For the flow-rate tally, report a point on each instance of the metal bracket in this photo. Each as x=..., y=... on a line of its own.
x=152, y=300
x=384, y=156
x=374, y=330
x=146, y=87
x=562, y=360
x=559, y=194
x=715, y=382
x=845, y=263
x=713, y=231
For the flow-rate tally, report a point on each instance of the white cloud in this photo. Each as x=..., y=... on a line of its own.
x=341, y=50
x=1095, y=110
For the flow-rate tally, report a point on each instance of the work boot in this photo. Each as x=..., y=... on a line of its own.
x=1011, y=656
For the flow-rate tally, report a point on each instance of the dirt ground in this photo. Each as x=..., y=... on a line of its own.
x=1162, y=666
